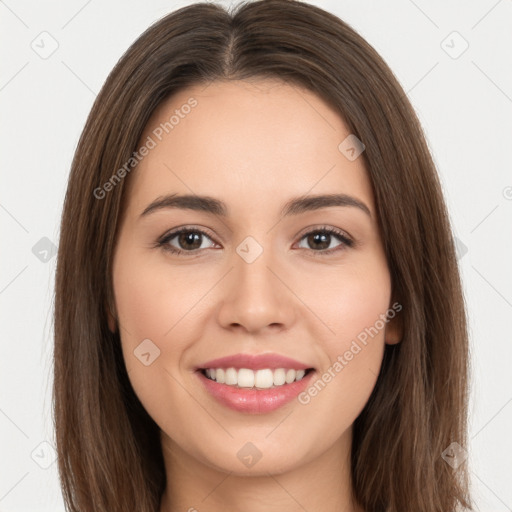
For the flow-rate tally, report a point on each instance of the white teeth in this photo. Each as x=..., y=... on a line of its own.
x=231, y=377
x=279, y=377
x=264, y=379
x=220, y=375
x=247, y=378
x=290, y=376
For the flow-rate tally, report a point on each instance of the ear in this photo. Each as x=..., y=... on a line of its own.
x=111, y=317
x=394, y=328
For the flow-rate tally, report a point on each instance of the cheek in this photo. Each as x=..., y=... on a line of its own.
x=354, y=308
x=151, y=302
x=353, y=302
x=165, y=307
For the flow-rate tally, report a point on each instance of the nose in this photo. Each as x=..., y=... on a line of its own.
x=256, y=296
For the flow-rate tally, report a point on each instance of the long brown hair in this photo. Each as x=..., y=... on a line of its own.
x=109, y=452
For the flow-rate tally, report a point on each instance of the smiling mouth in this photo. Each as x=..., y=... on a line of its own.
x=245, y=378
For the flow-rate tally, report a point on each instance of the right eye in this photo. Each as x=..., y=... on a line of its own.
x=186, y=237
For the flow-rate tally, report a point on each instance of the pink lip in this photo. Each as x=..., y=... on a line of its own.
x=254, y=401
x=255, y=362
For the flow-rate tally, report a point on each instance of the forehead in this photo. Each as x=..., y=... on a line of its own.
x=250, y=143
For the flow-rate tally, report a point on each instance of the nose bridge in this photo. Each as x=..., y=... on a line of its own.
x=257, y=298
x=253, y=274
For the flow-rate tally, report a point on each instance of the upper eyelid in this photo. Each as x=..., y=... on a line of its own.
x=174, y=232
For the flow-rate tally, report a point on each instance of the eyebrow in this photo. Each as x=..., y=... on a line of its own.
x=216, y=207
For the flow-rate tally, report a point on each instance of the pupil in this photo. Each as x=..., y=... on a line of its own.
x=316, y=239
x=186, y=238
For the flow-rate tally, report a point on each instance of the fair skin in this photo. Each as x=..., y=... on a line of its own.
x=253, y=145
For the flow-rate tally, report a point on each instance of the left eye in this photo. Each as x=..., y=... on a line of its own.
x=191, y=240
x=324, y=236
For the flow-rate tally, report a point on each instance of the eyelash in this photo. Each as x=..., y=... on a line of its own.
x=165, y=239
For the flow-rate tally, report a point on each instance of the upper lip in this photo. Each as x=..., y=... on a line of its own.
x=255, y=362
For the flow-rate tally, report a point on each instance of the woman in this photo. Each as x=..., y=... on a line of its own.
x=257, y=299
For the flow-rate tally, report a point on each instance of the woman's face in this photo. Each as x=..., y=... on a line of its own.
x=264, y=278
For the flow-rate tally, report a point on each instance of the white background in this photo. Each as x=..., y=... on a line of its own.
x=465, y=107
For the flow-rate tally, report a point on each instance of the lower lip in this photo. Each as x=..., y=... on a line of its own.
x=255, y=401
